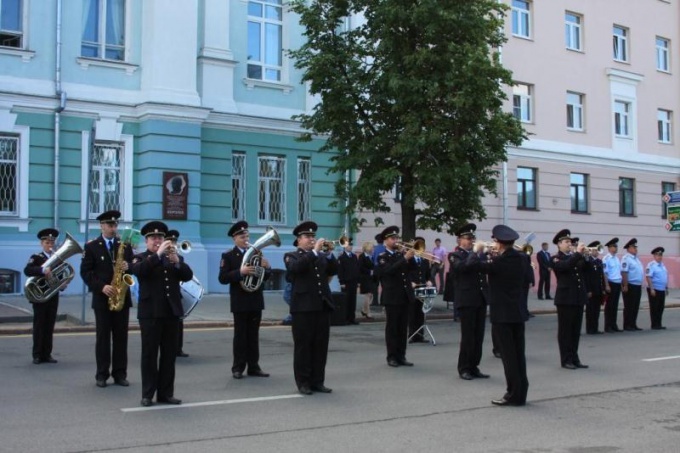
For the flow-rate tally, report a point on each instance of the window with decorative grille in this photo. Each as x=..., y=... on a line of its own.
x=105, y=178
x=303, y=184
x=238, y=186
x=9, y=164
x=271, y=184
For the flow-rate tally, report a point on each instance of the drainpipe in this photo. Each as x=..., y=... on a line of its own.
x=57, y=114
x=504, y=171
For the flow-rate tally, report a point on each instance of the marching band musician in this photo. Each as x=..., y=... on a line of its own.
x=656, y=275
x=470, y=289
x=611, y=267
x=348, y=276
x=159, y=270
x=507, y=270
x=173, y=236
x=97, y=271
x=595, y=284
x=246, y=306
x=44, y=313
x=394, y=272
x=308, y=268
x=420, y=276
x=570, y=298
x=632, y=274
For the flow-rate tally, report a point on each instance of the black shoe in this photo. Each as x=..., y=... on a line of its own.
x=404, y=362
x=305, y=390
x=169, y=400
x=540, y=297
x=654, y=328
x=353, y=323
x=37, y=361
x=258, y=373
x=182, y=354
x=417, y=340
x=629, y=329
x=321, y=388
x=146, y=402
x=548, y=298
x=580, y=365
x=497, y=354
x=392, y=362
x=634, y=328
x=467, y=376
x=101, y=383
x=479, y=374
x=616, y=329
x=501, y=402
x=122, y=382
x=51, y=359
x=237, y=374
x=569, y=366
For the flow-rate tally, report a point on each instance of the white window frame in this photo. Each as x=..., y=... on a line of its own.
x=125, y=179
x=267, y=193
x=573, y=31
x=575, y=111
x=102, y=37
x=521, y=19
x=7, y=125
x=620, y=44
x=623, y=119
x=525, y=100
x=242, y=177
x=263, y=21
x=304, y=196
x=663, y=62
x=664, y=121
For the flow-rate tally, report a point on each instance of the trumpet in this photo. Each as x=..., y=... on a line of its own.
x=185, y=247
x=599, y=249
x=418, y=248
x=484, y=247
x=329, y=246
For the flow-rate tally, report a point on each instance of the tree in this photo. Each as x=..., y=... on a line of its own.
x=410, y=94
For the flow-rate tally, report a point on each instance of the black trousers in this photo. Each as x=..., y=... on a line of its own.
x=656, y=305
x=631, y=306
x=438, y=270
x=112, y=329
x=511, y=344
x=611, y=309
x=246, y=347
x=311, y=330
x=416, y=318
x=180, y=337
x=569, y=322
x=396, y=327
x=44, y=318
x=351, y=300
x=543, y=283
x=593, y=313
x=472, y=325
x=159, y=335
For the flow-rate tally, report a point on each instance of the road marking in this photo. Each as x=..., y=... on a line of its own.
x=209, y=403
x=657, y=359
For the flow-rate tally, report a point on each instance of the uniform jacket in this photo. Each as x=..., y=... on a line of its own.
x=571, y=285
x=348, y=269
x=240, y=300
x=507, y=278
x=394, y=274
x=529, y=279
x=594, y=276
x=34, y=269
x=366, y=271
x=543, y=259
x=96, y=270
x=469, y=281
x=159, y=280
x=309, y=275
x=420, y=273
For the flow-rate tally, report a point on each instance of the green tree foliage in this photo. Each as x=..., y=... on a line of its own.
x=411, y=93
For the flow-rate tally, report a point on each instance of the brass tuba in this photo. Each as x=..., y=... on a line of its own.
x=41, y=289
x=253, y=257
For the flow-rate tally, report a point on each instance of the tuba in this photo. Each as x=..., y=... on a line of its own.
x=41, y=289
x=253, y=257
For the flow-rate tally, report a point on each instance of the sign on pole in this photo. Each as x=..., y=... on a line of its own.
x=672, y=200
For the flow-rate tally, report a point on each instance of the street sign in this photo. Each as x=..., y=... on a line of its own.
x=672, y=200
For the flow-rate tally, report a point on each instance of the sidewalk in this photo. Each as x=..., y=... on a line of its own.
x=16, y=315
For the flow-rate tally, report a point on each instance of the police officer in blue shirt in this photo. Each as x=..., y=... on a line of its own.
x=631, y=285
x=657, y=287
x=612, y=278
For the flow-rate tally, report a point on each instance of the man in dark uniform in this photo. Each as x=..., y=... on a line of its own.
x=570, y=298
x=394, y=273
x=348, y=276
x=470, y=289
x=96, y=270
x=159, y=271
x=507, y=271
x=246, y=306
x=44, y=313
x=420, y=276
x=595, y=285
x=308, y=268
x=173, y=236
x=543, y=258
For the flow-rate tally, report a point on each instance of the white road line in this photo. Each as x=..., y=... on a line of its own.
x=209, y=403
x=657, y=359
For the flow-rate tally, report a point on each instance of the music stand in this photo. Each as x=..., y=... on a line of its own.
x=427, y=296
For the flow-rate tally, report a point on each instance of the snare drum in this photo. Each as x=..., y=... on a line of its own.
x=192, y=293
x=426, y=292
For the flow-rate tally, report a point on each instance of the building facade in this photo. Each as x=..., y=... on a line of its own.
x=102, y=100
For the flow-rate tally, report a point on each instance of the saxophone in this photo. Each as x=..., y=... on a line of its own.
x=121, y=282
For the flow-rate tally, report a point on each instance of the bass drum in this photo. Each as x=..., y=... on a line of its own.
x=192, y=293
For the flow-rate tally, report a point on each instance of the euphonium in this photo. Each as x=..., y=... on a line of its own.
x=253, y=257
x=121, y=282
x=41, y=289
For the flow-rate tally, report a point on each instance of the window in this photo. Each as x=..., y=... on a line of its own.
x=265, y=48
x=622, y=119
x=663, y=122
x=521, y=102
x=579, y=192
x=271, y=181
x=303, y=184
x=620, y=43
x=572, y=31
x=526, y=188
x=574, y=111
x=9, y=281
x=626, y=196
x=105, y=177
x=104, y=30
x=9, y=182
x=521, y=18
x=11, y=23
x=238, y=186
x=665, y=188
x=662, y=54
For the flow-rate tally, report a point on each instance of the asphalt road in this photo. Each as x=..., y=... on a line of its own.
x=624, y=402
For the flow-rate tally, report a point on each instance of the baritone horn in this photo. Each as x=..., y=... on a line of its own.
x=41, y=289
x=253, y=257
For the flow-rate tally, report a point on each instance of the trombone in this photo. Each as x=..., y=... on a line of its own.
x=418, y=248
